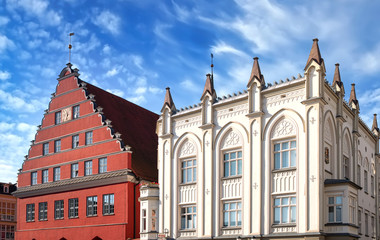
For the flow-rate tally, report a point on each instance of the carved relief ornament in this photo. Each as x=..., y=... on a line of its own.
x=187, y=149
x=284, y=128
x=232, y=139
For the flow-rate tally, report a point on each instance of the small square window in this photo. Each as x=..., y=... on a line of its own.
x=75, y=141
x=74, y=170
x=57, y=146
x=102, y=165
x=76, y=112
x=88, y=138
x=45, y=150
x=58, y=118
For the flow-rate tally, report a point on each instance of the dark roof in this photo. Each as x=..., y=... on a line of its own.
x=209, y=87
x=11, y=188
x=315, y=54
x=137, y=127
x=256, y=72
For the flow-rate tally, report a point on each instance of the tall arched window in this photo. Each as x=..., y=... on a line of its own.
x=284, y=164
x=187, y=160
x=346, y=161
x=232, y=171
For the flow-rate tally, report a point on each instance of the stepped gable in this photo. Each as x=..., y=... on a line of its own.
x=137, y=127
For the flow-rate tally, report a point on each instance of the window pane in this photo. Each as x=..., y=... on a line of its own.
x=226, y=206
x=285, y=212
x=226, y=156
x=233, y=155
x=183, y=175
x=239, y=172
x=233, y=219
x=285, y=201
x=285, y=159
x=225, y=219
x=293, y=158
x=239, y=218
x=239, y=154
x=194, y=174
x=276, y=215
x=285, y=145
x=293, y=200
x=277, y=202
x=183, y=222
x=293, y=144
x=233, y=206
x=331, y=214
x=189, y=174
x=277, y=161
x=338, y=213
x=338, y=200
x=226, y=169
x=293, y=214
x=277, y=147
x=331, y=200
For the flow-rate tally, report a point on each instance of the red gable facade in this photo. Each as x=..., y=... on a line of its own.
x=81, y=177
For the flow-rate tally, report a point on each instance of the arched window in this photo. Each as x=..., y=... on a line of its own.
x=346, y=161
x=232, y=170
x=359, y=170
x=284, y=163
x=188, y=162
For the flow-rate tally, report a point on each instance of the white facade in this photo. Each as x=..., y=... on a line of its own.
x=291, y=159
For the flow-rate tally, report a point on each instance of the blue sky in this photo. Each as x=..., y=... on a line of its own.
x=135, y=49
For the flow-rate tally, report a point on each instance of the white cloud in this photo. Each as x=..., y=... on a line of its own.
x=140, y=90
x=117, y=92
x=37, y=8
x=3, y=21
x=155, y=90
x=5, y=43
x=137, y=100
x=106, y=49
x=4, y=75
x=14, y=103
x=112, y=72
x=369, y=62
x=108, y=21
x=161, y=32
x=221, y=47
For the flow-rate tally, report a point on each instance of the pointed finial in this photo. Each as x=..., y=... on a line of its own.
x=168, y=101
x=353, y=100
x=209, y=87
x=70, y=46
x=337, y=82
x=256, y=72
x=315, y=54
x=374, y=123
x=212, y=66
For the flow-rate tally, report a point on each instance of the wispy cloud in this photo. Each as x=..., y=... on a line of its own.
x=221, y=47
x=108, y=21
x=3, y=20
x=5, y=43
x=4, y=75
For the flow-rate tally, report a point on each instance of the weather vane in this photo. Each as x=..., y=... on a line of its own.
x=70, y=47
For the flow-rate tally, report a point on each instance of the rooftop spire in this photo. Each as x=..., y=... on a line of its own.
x=374, y=123
x=353, y=99
x=315, y=54
x=337, y=82
x=209, y=87
x=256, y=72
x=168, y=100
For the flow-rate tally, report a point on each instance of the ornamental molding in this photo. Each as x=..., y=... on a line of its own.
x=284, y=128
x=288, y=97
x=233, y=111
x=231, y=140
x=189, y=122
x=187, y=149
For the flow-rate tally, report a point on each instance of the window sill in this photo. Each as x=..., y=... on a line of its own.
x=284, y=225
x=187, y=184
x=91, y=216
x=42, y=220
x=231, y=177
x=30, y=221
x=108, y=214
x=59, y=218
x=188, y=230
x=73, y=217
x=284, y=169
x=231, y=228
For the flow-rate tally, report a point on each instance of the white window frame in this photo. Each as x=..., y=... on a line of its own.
x=88, y=168
x=289, y=208
x=231, y=158
x=76, y=112
x=73, y=207
x=88, y=137
x=336, y=207
x=57, y=146
x=75, y=141
x=102, y=165
x=188, y=217
x=45, y=176
x=232, y=213
x=56, y=174
x=74, y=170
x=187, y=169
x=281, y=152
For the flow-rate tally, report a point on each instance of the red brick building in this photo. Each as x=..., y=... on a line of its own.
x=81, y=177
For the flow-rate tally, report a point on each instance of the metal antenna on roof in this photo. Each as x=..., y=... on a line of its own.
x=70, y=46
x=212, y=67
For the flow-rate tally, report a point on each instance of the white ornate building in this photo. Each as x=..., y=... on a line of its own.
x=292, y=160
